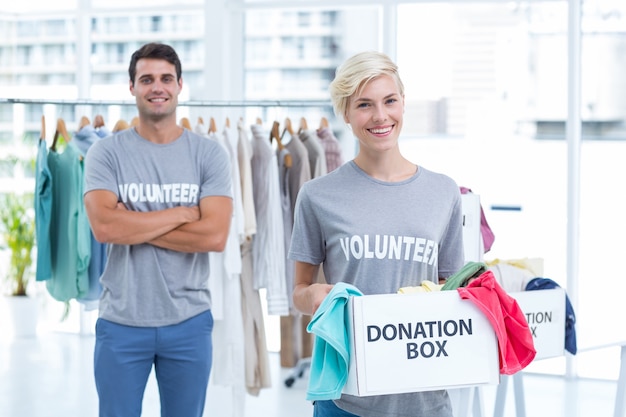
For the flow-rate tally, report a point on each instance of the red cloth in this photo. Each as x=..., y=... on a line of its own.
x=515, y=341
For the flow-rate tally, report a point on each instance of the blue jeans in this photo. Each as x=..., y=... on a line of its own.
x=181, y=355
x=327, y=408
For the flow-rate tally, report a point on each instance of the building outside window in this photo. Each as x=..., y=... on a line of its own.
x=28, y=29
x=56, y=27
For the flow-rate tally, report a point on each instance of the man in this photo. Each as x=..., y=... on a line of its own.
x=160, y=197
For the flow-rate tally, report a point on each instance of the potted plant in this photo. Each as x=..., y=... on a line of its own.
x=18, y=232
x=17, y=227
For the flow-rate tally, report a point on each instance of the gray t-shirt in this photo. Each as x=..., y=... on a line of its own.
x=381, y=236
x=144, y=285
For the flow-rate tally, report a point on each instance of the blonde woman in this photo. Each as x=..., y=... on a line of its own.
x=346, y=220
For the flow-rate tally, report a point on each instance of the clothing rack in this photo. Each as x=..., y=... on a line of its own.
x=86, y=317
x=189, y=103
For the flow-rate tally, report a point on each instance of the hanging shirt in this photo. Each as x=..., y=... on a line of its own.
x=268, y=250
x=332, y=149
x=43, y=212
x=317, y=157
x=227, y=263
x=284, y=178
x=244, y=157
x=102, y=131
x=300, y=171
x=70, y=237
x=228, y=339
x=83, y=139
x=201, y=129
x=257, y=367
x=231, y=139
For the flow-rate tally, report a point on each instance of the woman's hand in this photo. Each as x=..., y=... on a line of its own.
x=308, y=294
x=316, y=294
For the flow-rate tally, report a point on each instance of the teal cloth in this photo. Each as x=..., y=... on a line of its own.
x=460, y=278
x=331, y=349
x=43, y=212
x=70, y=234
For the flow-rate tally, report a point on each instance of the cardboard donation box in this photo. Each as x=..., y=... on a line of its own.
x=545, y=314
x=418, y=342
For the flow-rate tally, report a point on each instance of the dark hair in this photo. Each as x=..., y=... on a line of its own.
x=154, y=50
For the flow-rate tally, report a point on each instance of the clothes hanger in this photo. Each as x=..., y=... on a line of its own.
x=134, y=122
x=42, y=136
x=84, y=121
x=184, y=122
x=60, y=131
x=200, y=126
x=120, y=125
x=259, y=121
x=212, y=126
x=275, y=133
x=303, y=125
x=227, y=122
x=288, y=127
x=98, y=121
x=323, y=123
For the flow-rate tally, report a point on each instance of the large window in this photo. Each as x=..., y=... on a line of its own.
x=487, y=101
x=293, y=54
x=486, y=96
x=486, y=59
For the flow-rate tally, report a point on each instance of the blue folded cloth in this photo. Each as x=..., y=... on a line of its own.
x=540, y=283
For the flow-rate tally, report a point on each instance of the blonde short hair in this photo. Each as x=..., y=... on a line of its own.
x=354, y=74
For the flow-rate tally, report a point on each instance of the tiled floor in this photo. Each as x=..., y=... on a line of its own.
x=51, y=376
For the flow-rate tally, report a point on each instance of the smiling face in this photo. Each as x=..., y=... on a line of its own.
x=156, y=89
x=375, y=114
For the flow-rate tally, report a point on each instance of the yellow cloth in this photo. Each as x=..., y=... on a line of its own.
x=534, y=265
x=425, y=286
